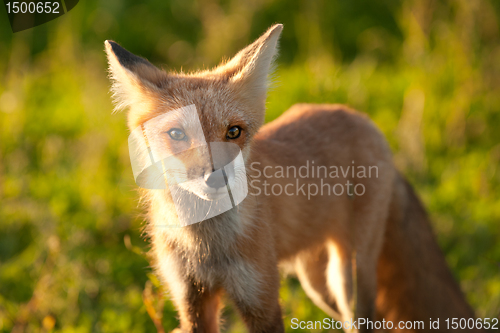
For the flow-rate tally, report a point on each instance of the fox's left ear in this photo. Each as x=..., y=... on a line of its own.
x=250, y=68
x=134, y=78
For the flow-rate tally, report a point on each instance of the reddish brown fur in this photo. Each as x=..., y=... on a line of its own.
x=411, y=254
x=370, y=256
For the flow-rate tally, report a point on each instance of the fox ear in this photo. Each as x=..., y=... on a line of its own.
x=134, y=78
x=250, y=68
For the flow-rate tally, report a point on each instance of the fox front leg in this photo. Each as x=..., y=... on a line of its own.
x=254, y=289
x=198, y=305
x=264, y=316
x=199, y=311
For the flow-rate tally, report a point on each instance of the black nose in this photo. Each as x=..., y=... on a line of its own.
x=215, y=180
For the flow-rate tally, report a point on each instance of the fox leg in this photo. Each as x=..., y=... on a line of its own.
x=198, y=309
x=352, y=269
x=197, y=303
x=369, y=221
x=326, y=274
x=265, y=318
x=311, y=269
x=353, y=289
x=339, y=279
x=254, y=289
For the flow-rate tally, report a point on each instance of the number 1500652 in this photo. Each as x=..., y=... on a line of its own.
x=462, y=323
x=16, y=7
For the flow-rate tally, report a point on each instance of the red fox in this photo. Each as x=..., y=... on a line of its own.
x=323, y=198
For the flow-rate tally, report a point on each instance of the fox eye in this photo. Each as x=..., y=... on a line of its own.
x=234, y=132
x=177, y=134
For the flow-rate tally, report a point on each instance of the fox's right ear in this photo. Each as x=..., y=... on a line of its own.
x=250, y=68
x=134, y=78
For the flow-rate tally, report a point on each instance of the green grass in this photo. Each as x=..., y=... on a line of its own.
x=70, y=228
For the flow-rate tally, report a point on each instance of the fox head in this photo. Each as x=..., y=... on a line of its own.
x=229, y=100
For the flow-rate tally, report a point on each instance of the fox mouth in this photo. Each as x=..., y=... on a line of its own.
x=200, y=189
x=218, y=194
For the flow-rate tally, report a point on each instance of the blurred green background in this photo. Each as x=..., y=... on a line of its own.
x=71, y=252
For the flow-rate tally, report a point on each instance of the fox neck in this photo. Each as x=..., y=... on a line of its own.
x=225, y=227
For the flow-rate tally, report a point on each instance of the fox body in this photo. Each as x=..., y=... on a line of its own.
x=367, y=256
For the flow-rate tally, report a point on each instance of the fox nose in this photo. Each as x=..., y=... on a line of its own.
x=215, y=179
